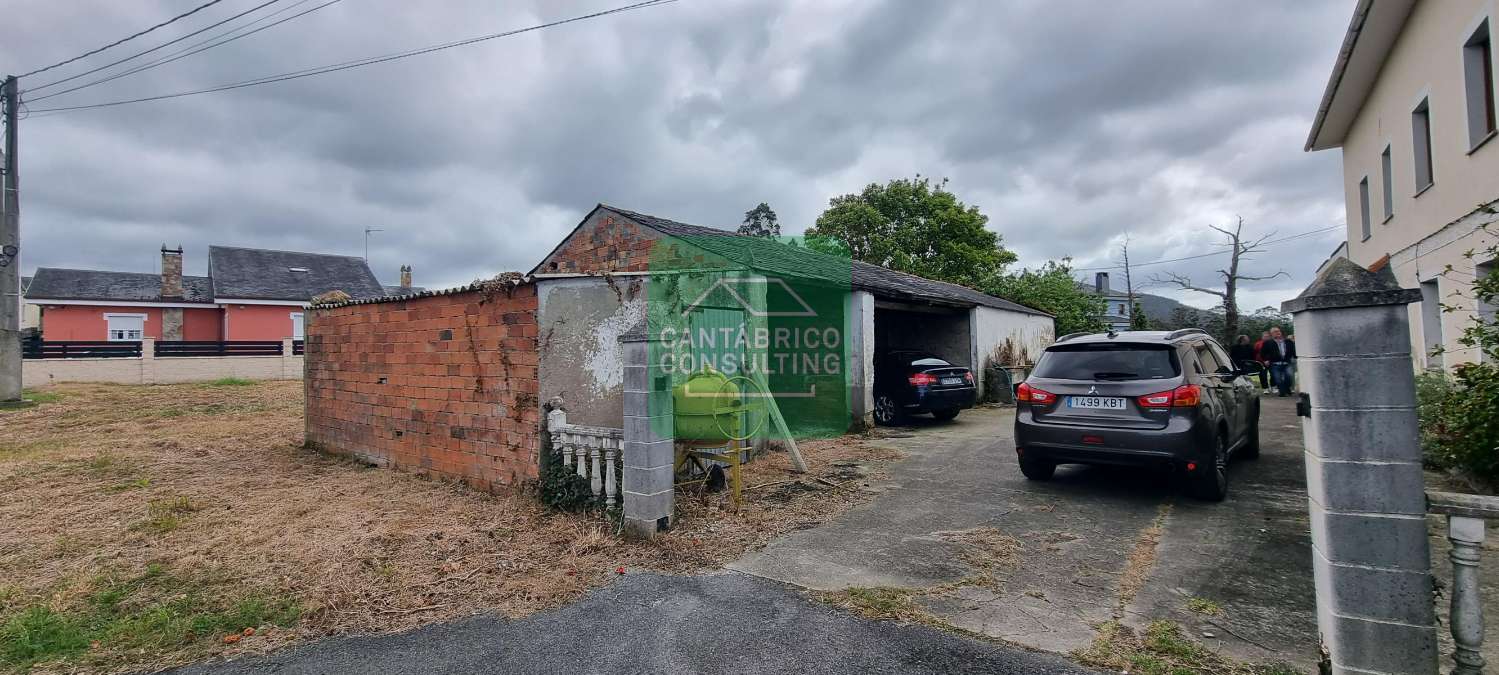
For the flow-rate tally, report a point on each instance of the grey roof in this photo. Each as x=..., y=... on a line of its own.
x=397, y=291
x=52, y=283
x=263, y=274
x=768, y=255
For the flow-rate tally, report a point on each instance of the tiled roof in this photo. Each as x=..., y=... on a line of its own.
x=263, y=274
x=768, y=255
x=52, y=283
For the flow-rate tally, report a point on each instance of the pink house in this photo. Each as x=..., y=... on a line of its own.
x=249, y=294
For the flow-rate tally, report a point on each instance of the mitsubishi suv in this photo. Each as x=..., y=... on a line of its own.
x=1172, y=400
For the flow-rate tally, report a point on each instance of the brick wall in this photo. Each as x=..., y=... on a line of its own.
x=604, y=243
x=443, y=385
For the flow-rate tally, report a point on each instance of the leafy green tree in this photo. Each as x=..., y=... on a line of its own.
x=1052, y=289
x=1137, y=318
x=760, y=221
x=914, y=226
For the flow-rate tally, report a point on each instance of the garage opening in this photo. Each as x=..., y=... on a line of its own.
x=944, y=332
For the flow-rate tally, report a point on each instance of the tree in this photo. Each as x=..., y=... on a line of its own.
x=1137, y=320
x=1239, y=250
x=760, y=221
x=913, y=226
x=1052, y=289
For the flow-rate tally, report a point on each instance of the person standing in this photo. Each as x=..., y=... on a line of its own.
x=1264, y=365
x=1242, y=351
x=1280, y=353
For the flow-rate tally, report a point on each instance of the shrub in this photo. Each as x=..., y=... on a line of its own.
x=1458, y=414
x=562, y=488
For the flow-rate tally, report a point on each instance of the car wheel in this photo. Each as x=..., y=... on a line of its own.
x=1210, y=483
x=886, y=412
x=1037, y=469
x=946, y=415
x=1251, y=449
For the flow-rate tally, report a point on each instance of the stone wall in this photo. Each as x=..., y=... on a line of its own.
x=442, y=385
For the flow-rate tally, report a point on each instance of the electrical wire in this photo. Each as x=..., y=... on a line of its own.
x=189, y=50
x=123, y=40
x=357, y=63
x=1204, y=255
x=148, y=51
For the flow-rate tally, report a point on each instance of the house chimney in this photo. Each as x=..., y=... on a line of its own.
x=405, y=277
x=171, y=272
x=1101, y=282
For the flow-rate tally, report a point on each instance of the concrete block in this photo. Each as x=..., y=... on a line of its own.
x=648, y=480
x=634, y=352
x=648, y=404
x=635, y=528
x=648, y=429
x=1398, y=542
x=1381, y=595
x=1358, y=383
x=1361, y=646
x=649, y=455
x=1365, y=487
x=1379, y=435
x=1353, y=330
x=637, y=378
x=648, y=507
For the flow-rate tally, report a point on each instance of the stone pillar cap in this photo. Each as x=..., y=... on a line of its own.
x=1343, y=283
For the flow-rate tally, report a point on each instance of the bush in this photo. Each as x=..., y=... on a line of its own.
x=562, y=488
x=1457, y=417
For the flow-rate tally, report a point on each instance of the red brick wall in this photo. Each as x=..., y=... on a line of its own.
x=443, y=386
x=605, y=243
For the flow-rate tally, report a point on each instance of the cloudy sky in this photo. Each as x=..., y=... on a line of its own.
x=1069, y=123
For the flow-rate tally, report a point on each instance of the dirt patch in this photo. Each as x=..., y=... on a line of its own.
x=988, y=551
x=1141, y=559
x=178, y=516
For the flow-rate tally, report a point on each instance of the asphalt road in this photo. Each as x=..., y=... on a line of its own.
x=650, y=623
x=1249, y=555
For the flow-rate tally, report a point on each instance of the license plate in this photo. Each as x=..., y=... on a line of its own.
x=952, y=380
x=1096, y=402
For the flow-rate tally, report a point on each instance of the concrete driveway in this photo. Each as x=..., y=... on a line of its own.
x=1095, y=544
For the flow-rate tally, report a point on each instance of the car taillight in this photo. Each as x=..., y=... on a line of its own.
x=1185, y=396
x=923, y=380
x=1028, y=394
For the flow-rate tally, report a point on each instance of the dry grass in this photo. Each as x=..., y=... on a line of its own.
x=158, y=495
x=1163, y=649
x=991, y=554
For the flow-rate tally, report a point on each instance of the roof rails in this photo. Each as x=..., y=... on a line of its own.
x=1185, y=331
x=1069, y=336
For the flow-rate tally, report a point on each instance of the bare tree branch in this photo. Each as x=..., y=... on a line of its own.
x=1180, y=281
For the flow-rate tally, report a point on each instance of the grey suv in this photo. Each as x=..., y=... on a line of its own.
x=1153, y=398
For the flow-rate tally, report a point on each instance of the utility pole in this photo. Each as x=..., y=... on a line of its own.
x=10, y=249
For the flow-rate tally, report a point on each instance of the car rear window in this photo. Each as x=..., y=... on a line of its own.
x=1108, y=361
x=917, y=359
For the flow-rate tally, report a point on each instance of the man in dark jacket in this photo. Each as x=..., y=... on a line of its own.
x=1280, y=353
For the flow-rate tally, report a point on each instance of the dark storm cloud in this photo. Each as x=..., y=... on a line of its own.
x=1068, y=123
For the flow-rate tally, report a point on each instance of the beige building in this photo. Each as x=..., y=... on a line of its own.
x=1411, y=104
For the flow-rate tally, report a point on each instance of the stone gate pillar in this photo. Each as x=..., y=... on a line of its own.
x=1370, y=555
x=649, y=444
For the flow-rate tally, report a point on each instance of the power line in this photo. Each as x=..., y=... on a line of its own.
x=1207, y=255
x=357, y=63
x=85, y=55
x=189, y=50
x=148, y=51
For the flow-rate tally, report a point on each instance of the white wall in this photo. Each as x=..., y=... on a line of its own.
x=997, y=330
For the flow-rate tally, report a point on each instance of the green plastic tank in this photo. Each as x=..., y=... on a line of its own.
x=708, y=407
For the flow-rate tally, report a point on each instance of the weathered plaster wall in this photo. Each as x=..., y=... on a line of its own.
x=580, y=321
x=997, y=332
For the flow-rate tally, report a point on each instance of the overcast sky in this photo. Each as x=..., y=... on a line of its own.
x=1067, y=123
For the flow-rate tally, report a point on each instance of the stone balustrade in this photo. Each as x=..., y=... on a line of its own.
x=1466, y=516
x=594, y=453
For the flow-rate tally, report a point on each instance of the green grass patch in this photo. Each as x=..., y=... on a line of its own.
x=1204, y=606
x=153, y=611
x=165, y=515
x=230, y=382
x=40, y=397
x=137, y=484
x=1163, y=649
x=881, y=603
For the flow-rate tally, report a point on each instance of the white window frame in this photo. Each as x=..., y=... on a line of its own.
x=109, y=331
x=298, y=328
